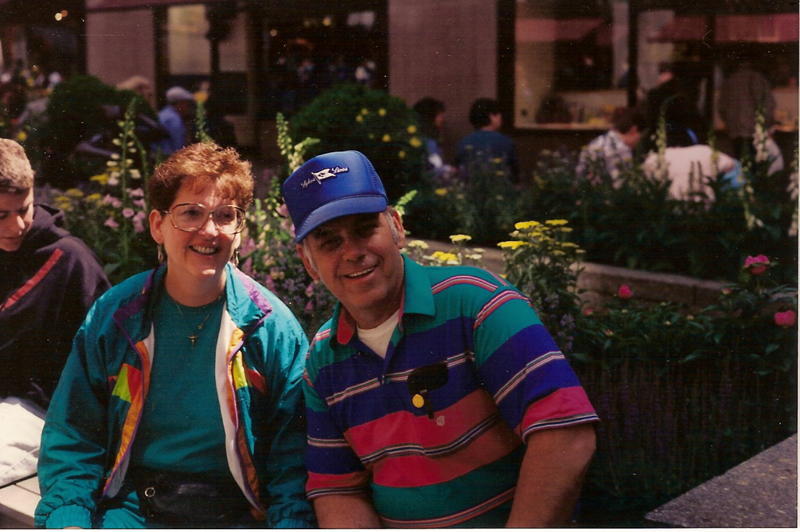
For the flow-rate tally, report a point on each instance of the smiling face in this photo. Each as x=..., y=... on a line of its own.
x=358, y=259
x=16, y=218
x=195, y=260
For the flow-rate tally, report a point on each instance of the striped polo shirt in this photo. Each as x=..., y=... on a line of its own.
x=434, y=431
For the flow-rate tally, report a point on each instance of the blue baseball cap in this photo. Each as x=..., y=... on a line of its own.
x=332, y=185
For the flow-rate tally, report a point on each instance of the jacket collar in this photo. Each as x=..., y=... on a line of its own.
x=246, y=304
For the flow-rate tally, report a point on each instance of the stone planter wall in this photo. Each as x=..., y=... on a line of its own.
x=600, y=281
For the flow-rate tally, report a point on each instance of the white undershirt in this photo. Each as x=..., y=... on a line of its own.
x=378, y=338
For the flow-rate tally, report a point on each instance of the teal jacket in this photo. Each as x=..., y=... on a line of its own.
x=96, y=409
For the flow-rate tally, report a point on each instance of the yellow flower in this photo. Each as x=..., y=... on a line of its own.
x=364, y=111
x=96, y=197
x=444, y=257
x=382, y=111
x=511, y=244
x=22, y=136
x=569, y=245
x=418, y=244
x=415, y=142
x=497, y=160
x=401, y=154
x=556, y=222
x=411, y=129
x=565, y=229
x=526, y=225
x=74, y=193
x=386, y=137
x=359, y=118
x=440, y=191
x=459, y=238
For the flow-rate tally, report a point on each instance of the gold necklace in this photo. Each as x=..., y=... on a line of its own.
x=195, y=335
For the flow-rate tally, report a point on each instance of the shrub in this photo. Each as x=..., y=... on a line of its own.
x=268, y=250
x=353, y=117
x=110, y=212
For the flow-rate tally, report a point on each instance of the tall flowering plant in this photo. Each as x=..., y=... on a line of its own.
x=268, y=249
x=544, y=265
x=110, y=212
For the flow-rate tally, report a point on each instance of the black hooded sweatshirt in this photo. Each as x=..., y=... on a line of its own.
x=46, y=288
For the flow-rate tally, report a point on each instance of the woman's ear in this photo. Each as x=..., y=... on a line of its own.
x=155, y=220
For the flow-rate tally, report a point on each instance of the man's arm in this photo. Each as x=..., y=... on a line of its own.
x=551, y=475
x=346, y=511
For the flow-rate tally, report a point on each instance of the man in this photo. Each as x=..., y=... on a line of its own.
x=430, y=390
x=615, y=147
x=744, y=93
x=174, y=117
x=486, y=142
x=48, y=280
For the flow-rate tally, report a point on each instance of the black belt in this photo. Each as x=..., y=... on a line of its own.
x=189, y=500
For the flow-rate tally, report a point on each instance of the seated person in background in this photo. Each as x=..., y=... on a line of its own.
x=689, y=167
x=180, y=403
x=431, y=120
x=435, y=396
x=176, y=119
x=615, y=147
x=48, y=281
x=486, y=142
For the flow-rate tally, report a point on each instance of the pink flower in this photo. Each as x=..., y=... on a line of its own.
x=283, y=210
x=138, y=222
x=111, y=223
x=624, y=292
x=756, y=265
x=785, y=319
x=111, y=200
x=588, y=311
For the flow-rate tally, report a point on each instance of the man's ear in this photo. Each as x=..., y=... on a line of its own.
x=400, y=231
x=156, y=219
x=307, y=262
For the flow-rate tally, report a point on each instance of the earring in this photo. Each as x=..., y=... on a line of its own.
x=160, y=252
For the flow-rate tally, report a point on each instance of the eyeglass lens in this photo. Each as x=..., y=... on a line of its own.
x=191, y=217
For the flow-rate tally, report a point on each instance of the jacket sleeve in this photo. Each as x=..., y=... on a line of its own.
x=288, y=507
x=73, y=450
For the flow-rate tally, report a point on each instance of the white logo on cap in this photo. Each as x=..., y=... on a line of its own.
x=325, y=173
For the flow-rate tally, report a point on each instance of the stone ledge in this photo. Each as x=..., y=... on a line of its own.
x=760, y=492
x=600, y=281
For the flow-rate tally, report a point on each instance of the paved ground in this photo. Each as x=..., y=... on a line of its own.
x=761, y=492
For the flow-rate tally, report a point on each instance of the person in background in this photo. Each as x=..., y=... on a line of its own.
x=689, y=166
x=613, y=149
x=141, y=86
x=180, y=403
x=431, y=120
x=486, y=142
x=743, y=93
x=434, y=396
x=675, y=97
x=175, y=117
x=48, y=281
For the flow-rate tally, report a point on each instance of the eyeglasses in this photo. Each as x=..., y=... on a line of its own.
x=191, y=217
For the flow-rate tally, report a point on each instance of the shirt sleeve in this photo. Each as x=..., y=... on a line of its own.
x=523, y=369
x=333, y=467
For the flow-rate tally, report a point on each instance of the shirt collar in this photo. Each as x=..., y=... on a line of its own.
x=417, y=299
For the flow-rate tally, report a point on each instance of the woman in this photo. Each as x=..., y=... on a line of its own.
x=178, y=405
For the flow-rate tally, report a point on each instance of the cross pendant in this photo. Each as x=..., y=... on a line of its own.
x=192, y=338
